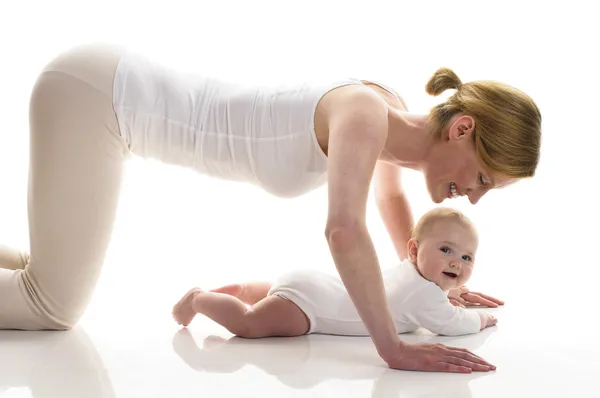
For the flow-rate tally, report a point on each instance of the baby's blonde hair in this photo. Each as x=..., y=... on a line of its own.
x=439, y=213
x=507, y=121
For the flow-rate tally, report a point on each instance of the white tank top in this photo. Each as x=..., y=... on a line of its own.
x=255, y=134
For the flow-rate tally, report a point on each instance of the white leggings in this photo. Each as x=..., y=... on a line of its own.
x=76, y=166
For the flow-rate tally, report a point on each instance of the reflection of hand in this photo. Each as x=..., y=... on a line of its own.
x=464, y=298
x=434, y=358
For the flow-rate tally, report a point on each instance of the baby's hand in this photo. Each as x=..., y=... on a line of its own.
x=487, y=320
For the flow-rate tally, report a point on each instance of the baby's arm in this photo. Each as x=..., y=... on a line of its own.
x=487, y=320
x=430, y=308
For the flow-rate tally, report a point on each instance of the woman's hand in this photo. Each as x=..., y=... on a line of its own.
x=429, y=357
x=462, y=297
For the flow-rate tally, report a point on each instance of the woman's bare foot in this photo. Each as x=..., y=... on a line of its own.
x=183, y=311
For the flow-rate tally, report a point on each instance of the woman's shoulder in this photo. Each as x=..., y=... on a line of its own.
x=361, y=93
x=348, y=104
x=391, y=95
x=345, y=98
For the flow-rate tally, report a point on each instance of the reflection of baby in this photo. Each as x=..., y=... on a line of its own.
x=304, y=363
x=441, y=257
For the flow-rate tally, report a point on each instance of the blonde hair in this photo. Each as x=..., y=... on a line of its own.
x=428, y=220
x=507, y=121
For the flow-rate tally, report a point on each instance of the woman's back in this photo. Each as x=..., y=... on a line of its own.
x=264, y=135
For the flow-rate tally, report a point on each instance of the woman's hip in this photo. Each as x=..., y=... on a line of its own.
x=72, y=99
x=94, y=64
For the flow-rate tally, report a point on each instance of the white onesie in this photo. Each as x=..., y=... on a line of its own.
x=414, y=302
x=262, y=135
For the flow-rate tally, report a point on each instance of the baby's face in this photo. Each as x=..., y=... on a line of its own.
x=446, y=254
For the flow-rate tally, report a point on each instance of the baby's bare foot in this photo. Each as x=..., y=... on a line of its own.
x=183, y=311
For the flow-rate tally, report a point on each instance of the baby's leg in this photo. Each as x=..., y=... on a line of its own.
x=249, y=293
x=270, y=317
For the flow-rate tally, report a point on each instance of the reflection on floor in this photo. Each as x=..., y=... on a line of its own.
x=163, y=360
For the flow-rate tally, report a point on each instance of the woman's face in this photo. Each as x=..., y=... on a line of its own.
x=454, y=169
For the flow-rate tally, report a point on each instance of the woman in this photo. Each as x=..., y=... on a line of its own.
x=94, y=105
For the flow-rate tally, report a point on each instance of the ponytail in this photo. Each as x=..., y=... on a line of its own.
x=443, y=79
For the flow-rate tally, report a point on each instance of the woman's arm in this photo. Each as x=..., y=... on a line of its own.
x=357, y=135
x=393, y=205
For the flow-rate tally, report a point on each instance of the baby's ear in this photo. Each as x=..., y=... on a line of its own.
x=412, y=247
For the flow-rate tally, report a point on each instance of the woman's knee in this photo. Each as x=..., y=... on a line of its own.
x=59, y=321
x=67, y=325
x=52, y=313
x=24, y=306
x=64, y=317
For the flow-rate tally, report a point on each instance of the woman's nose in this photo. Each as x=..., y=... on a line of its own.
x=476, y=194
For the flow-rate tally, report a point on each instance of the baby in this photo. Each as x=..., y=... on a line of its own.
x=441, y=257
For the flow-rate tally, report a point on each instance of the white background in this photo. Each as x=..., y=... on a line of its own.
x=176, y=229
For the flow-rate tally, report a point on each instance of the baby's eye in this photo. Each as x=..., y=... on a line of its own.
x=467, y=258
x=445, y=249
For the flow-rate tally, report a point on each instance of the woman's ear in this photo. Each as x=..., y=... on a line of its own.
x=463, y=127
x=413, y=248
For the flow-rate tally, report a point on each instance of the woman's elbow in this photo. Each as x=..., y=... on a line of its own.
x=342, y=236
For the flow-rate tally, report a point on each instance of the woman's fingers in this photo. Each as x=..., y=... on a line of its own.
x=467, y=364
x=465, y=354
x=490, y=298
x=477, y=298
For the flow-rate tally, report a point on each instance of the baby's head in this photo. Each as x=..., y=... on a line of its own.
x=443, y=247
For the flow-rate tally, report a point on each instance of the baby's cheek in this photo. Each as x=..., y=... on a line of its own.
x=465, y=277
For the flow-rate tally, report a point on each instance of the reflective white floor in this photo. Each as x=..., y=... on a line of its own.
x=154, y=358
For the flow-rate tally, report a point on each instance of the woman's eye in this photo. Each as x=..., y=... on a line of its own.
x=481, y=182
